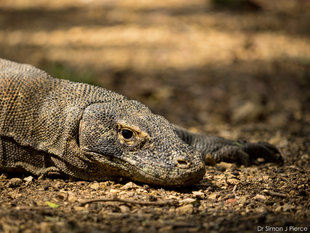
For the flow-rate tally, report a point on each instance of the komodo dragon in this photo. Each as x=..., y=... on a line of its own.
x=91, y=133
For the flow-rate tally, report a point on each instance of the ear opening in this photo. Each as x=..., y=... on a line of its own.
x=77, y=139
x=77, y=133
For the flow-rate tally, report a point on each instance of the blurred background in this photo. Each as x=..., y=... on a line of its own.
x=211, y=65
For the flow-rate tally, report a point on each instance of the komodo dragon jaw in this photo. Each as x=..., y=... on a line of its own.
x=162, y=176
x=144, y=146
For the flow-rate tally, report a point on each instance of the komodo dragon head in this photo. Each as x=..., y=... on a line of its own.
x=137, y=144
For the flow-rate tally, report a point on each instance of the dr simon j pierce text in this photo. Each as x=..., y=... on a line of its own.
x=281, y=229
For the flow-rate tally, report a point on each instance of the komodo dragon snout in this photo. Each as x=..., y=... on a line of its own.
x=146, y=144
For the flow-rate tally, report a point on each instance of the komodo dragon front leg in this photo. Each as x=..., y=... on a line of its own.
x=224, y=150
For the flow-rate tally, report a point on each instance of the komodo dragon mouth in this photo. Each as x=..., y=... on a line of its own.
x=164, y=175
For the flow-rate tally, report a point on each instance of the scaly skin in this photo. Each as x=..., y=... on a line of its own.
x=91, y=133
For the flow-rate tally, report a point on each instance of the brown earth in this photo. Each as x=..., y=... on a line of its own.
x=234, y=73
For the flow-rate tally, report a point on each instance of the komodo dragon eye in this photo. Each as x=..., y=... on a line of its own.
x=126, y=133
x=131, y=137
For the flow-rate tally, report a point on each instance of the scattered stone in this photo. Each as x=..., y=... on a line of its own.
x=231, y=200
x=287, y=207
x=224, y=166
x=130, y=185
x=233, y=181
x=81, y=183
x=278, y=209
x=124, y=209
x=80, y=208
x=15, y=182
x=28, y=179
x=3, y=176
x=242, y=200
x=141, y=190
x=95, y=186
x=62, y=195
x=188, y=200
x=114, y=191
x=260, y=197
x=260, y=209
x=165, y=229
x=171, y=197
x=198, y=194
x=186, y=209
x=71, y=197
x=212, y=196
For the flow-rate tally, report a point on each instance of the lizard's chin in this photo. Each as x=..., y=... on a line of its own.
x=188, y=179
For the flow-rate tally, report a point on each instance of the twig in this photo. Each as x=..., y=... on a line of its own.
x=272, y=193
x=33, y=208
x=130, y=202
x=234, y=189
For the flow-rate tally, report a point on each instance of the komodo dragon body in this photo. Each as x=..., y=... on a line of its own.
x=91, y=133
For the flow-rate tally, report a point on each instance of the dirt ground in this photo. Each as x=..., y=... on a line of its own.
x=234, y=73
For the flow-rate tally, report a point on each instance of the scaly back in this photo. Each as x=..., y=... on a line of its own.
x=39, y=111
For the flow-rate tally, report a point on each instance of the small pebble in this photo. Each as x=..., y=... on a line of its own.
x=15, y=182
x=28, y=179
x=187, y=200
x=124, y=209
x=95, y=186
x=130, y=185
x=72, y=196
x=260, y=197
x=186, y=209
x=198, y=194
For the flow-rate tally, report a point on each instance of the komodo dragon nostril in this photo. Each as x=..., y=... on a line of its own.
x=182, y=163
